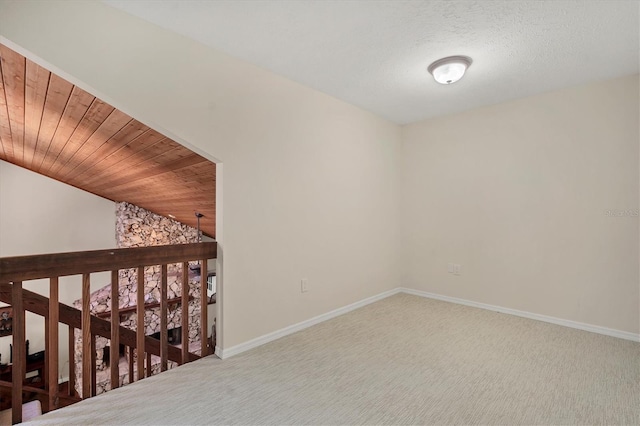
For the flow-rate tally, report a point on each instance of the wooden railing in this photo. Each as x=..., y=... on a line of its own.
x=15, y=270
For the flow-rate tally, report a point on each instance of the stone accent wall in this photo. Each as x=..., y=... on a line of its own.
x=137, y=227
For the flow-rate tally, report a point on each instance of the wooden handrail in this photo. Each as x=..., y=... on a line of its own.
x=23, y=268
x=15, y=270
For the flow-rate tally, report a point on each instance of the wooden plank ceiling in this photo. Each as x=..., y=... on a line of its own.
x=51, y=127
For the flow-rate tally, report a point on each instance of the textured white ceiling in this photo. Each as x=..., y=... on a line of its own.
x=374, y=54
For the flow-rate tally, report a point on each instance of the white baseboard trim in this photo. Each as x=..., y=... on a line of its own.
x=559, y=321
x=258, y=341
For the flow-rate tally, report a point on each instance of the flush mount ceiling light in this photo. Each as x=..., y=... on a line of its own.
x=450, y=69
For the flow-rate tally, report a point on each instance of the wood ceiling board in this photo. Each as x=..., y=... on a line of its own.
x=58, y=94
x=153, y=156
x=77, y=106
x=113, y=124
x=94, y=117
x=37, y=83
x=164, y=189
x=142, y=173
x=130, y=132
x=13, y=69
x=188, y=197
x=121, y=159
x=203, y=171
x=5, y=128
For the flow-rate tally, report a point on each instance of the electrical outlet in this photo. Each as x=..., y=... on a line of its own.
x=457, y=268
x=304, y=285
x=450, y=268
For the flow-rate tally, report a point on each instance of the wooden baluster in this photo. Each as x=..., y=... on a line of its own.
x=72, y=361
x=141, y=329
x=149, y=372
x=86, y=337
x=185, y=312
x=52, y=349
x=19, y=352
x=94, y=382
x=164, y=338
x=131, y=363
x=204, y=307
x=114, y=354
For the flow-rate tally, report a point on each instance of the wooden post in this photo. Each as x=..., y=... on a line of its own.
x=204, y=307
x=19, y=352
x=72, y=361
x=185, y=312
x=52, y=350
x=164, y=339
x=86, y=337
x=114, y=349
x=141, y=329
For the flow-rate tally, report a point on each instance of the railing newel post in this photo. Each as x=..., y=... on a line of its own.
x=141, y=326
x=204, y=306
x=114, y=348
x=185, y=312
x=164, y=339
x=19, y=352
x=87, y=337
x=53, y=343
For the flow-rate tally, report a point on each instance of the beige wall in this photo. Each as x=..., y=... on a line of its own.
x=311, y=186
x=309, y=181
x=41, y=215
x=517, y=193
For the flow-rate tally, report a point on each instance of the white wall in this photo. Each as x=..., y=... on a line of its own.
x=518, y=192
x=40, y=215
x=309, y=181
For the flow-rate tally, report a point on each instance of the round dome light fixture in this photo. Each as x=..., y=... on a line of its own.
x=450, y=69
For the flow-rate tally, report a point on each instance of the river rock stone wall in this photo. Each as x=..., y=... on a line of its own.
x=138, y=227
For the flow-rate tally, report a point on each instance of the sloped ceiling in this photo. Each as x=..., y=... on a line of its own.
x=56, y=129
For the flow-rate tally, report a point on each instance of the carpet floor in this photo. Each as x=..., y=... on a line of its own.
x=402, y=360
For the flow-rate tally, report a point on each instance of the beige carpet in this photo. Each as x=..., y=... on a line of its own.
x=403, y=360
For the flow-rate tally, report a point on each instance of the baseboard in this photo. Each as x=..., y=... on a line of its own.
x=559, y=321
x=258, y=341
x=242, y=347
